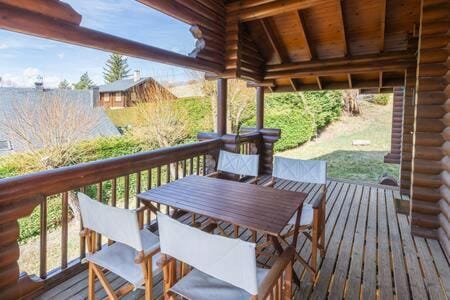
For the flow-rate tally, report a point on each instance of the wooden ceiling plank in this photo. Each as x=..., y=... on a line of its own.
x=293, y=84
x=380, y=81
x=343, y=28
x=382, y=24
x=23, y=21
x=273, y=8
x=274, y=40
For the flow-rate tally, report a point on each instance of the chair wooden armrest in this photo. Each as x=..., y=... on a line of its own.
x=254, y=180
x=271, y=183
x=164, y=260
x=317, y=200
x=213, y=174
x=275, y=272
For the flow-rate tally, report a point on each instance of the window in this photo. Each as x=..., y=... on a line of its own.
x=5, y=145
x=118, y=97
x=106, y=99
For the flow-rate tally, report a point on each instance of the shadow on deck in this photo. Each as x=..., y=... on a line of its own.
x=370, y=252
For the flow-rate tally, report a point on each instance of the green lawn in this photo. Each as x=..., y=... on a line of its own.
x=345, y=161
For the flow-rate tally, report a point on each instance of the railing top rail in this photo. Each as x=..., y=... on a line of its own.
x=59, y=180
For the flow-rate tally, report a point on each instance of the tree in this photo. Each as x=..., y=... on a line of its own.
x=351, y=105
x=48, y=127
x=84, y=83
x=64, y=85
x=240, y=102
x=116, y=68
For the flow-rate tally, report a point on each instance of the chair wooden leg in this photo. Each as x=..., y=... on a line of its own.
x=104, y=281
x=149, y=279
x=288, y=282
x=314, y=247
x=236, y=231
x=91, y=283
x=254, y=236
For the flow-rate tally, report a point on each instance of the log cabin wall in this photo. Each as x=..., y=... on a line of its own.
x=393, y=157
x=407, y=130
x=430, y=170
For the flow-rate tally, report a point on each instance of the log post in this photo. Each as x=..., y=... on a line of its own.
x=259, y=108
x=221, y=106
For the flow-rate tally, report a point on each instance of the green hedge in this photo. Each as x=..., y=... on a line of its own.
x=300, y=115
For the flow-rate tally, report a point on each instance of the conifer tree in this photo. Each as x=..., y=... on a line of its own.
x=64, y=85
x=116, y=68
x=84, y=83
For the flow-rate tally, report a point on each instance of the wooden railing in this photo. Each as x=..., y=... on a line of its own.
x=114, y=181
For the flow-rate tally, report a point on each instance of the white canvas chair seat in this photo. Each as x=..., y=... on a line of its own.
x=119, y=258
x=197, y=285
x=306, y=218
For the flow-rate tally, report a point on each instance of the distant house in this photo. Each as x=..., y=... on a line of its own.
x=188, y=89
x=125, y=92
x=11, y=98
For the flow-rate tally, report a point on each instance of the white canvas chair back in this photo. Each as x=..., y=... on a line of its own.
x=308, y=171
x=230, y=260
x=117, y=224
x=240, y=164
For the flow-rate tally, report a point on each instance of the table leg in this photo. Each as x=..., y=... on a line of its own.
x=279, y=249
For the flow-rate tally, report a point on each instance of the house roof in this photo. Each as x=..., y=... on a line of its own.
x=122, y=85
x=11, y=97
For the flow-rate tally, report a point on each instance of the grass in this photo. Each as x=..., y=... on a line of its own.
x=345, y=161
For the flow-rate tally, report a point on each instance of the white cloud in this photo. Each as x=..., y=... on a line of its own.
x=27, y=79
x=61, y=55
x=4, y=46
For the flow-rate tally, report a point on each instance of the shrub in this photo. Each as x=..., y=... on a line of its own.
x=300, y=115
x=381, y=99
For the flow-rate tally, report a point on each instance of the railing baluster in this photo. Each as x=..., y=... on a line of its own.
x=191, y=166
x=82, y=239
x=198, y=165
x=114, y=192
x=168, y=173
x=149, y=187
x=176, y=170
x=43, y=240
x=204, y=165
x=138, y=188
x=64, y=228
x=184, y=167
x=127, y=191
x=100, y=199
x=158, y=182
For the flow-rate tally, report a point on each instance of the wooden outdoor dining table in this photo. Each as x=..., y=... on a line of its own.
x=264, y=209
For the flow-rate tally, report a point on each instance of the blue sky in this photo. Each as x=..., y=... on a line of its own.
x=24, y=57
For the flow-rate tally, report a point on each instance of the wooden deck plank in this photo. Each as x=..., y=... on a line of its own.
x=384, y=258
x=399, y=269
x=370, y=254
x=355, y=275
x=362, y=228
x=416, y=282
x=430, y=275
x=343, y=261
x=326, y=271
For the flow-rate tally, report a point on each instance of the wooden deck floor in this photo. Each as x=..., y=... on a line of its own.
x=370, y=252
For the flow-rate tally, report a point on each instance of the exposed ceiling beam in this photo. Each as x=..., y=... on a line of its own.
x=319, y=82
x=277, y=45
x=382, y=24
x=380, y=81
x=334, y=67
x=343, y=27
x=272, y=8
x=350, y=83
x=304, y=33
x=29, y=22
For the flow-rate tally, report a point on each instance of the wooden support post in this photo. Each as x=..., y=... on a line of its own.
x=221, y=106
x=259, y=107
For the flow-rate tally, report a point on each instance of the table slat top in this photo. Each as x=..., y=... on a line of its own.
x=251, y=206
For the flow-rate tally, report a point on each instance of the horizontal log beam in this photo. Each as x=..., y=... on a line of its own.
x=28, y=22
x=54, y=9
x=364, y=64
x=264, y=9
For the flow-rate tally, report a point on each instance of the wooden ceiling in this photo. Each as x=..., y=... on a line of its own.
x=284, y=45
x=328, y=31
